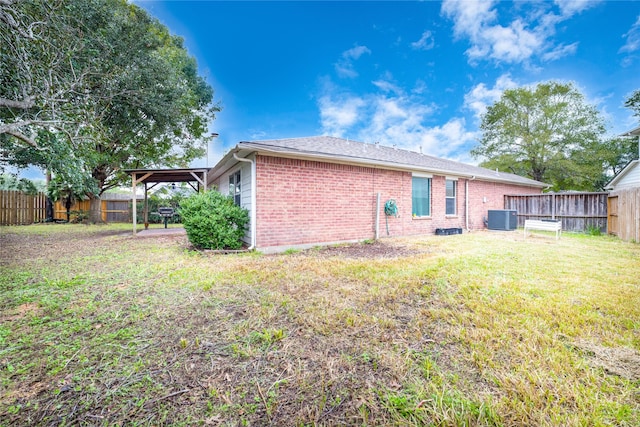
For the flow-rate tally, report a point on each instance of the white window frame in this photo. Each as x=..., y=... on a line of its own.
x=430, y=178
x=454, y=197
x=235, y=187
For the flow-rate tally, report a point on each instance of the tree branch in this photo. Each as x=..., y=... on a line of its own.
x=25, y=104
x=24, y=138
x=12, y=127
x=8, y=19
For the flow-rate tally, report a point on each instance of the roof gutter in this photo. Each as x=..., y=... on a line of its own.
x=253, y=198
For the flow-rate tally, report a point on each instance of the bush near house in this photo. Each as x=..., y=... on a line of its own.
x=213, y=221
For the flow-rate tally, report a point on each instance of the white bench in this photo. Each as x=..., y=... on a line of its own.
x=536, y=224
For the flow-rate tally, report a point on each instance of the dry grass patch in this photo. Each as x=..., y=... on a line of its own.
x=476, y=329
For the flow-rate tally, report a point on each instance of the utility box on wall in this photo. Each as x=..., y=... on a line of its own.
x=502, y=220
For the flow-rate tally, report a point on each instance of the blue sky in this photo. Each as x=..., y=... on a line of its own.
x=415, y=74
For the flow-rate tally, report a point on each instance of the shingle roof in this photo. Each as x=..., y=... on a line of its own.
x=328, y=147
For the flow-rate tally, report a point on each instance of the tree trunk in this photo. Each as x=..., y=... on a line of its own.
x=67, y=205
x=95, y=210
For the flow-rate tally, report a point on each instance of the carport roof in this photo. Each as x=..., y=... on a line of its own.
x=170, y=175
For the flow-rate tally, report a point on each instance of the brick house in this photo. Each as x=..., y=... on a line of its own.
x=302, y=192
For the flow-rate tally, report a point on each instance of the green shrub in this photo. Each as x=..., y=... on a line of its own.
x=213, y=221
x=592, y=230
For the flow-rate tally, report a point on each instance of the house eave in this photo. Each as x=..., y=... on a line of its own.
x=611, y=184
x=632, y=132
x=226, y=163
x=357, y=161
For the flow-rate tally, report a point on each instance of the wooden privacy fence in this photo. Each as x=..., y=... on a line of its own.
x=17, y=208
x=60, y=211
x=577, y=211
x=624, y=214
x=110, y=210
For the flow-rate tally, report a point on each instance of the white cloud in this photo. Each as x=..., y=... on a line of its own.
x=572, y=7
x=338, y=114
x=387, y=86
x=355, y=52
x=520, y=40
x=514, y=43
x=560, y=51
x=426, y=42
x=633, y=38
x=469, y=16
x=480, y=97
x=393, y=117
x=344, y=67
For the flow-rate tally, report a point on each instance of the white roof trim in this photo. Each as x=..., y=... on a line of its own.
x=632, y=132
x=632, y=164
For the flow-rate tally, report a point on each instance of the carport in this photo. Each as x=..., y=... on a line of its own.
x=195, y=177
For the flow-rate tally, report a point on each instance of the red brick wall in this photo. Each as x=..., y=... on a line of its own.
x=307, y=202
x=484, y=196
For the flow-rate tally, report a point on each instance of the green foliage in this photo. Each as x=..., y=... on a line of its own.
x=61, y=189
x=548, y=133
x=125, y=92
x=12, y=182
x=634, y=102
x=213, y=221
x=164, y=197
x=593, y=230
x=78, y=216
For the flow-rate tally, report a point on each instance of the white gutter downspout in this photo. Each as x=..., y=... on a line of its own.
x=253, y=198
x=466, y=201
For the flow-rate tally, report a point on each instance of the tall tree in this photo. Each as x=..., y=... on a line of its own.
x=40, y=77
x=548, y=133
x=123, y=94
x=151, y=109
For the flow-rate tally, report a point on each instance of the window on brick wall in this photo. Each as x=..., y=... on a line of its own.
x=420, y=196
x=452, y=192
x=235, y=187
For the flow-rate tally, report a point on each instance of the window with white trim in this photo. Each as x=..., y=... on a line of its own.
x=235, y=188
x=451, y=196
x=420, y=196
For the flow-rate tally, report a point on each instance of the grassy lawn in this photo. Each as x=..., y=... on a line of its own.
x=100, y=328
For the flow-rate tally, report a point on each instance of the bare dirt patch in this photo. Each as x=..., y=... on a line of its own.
x=620, y=361
x=20, y=311
x=375, y=249
x=18, y=246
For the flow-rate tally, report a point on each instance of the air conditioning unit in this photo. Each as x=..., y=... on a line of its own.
x=502, y=220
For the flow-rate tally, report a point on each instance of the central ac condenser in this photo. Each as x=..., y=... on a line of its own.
x=502, y=220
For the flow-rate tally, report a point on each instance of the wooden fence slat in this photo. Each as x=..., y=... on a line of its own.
x=17, y=208
x=576, y=211
x=627, y=214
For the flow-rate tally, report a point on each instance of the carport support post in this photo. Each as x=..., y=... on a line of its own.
x=133, y=200
x=134, y=182
x=146, y=208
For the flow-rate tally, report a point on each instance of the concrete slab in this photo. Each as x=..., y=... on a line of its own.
x=174, y=231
